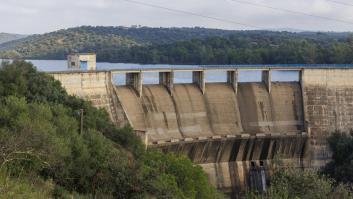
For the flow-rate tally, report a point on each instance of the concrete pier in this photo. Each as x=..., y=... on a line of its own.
x=135, y=80
x=198, y=78
x=232, y=79
x=267, y=78
x=167, y=79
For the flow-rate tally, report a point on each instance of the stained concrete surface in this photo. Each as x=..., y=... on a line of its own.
x=328, y=100
x=219, y=112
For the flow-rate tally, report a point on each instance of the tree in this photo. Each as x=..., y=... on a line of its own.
x=295, y=183
x=170, y=175
x=341, y=166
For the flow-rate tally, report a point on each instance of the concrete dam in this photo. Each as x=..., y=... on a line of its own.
x=233, y=130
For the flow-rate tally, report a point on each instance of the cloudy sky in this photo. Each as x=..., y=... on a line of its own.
x=39, y=16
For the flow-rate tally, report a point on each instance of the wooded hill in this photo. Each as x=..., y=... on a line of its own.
x=185, y=46
x=56, y=45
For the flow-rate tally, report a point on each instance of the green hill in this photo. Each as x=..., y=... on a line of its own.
x=256, y=47
x=185, y=46
x=243, y=47
x=56, y=45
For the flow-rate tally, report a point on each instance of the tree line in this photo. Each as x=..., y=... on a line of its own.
x=185, y=46
x=238, y=50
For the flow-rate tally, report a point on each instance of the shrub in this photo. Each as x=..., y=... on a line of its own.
x=39, y=139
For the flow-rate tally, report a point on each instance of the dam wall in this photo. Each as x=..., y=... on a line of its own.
x=328, y=99
x=233, y=130
x=97, y=88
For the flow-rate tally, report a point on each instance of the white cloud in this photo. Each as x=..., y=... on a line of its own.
x=322, y=7
x=19, y=10
x=96, y=4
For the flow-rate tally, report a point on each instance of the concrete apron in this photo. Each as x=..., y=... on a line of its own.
x=235, y=165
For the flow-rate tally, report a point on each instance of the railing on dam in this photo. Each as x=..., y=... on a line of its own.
x=274, y=66
x=135, y=77
x=136, y=67
x=157, y=68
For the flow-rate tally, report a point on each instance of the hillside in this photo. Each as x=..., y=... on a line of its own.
x=56, y=45
x=250, y=48
x=184, y=46
x=6, y=37
x=149, y=35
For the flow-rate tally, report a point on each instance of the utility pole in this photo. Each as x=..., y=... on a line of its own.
x=81, y=128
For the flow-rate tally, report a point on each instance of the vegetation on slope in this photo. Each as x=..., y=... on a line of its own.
x=56, y=45
x=149, y=35
x=334, y=181
x=248, y=49
x=341, y=166
x=43, y=155
x=305, y=184
x=185, y=46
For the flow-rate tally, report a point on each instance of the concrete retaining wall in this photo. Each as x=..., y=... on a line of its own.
x=97, y=88
x=328, y=99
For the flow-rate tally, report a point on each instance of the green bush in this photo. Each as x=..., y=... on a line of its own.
x=40, y=139
x=341, y=166
x=21, y=188
x=295, y=183
x=171, y=175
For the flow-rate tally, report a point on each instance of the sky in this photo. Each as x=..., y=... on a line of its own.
x=41, y=16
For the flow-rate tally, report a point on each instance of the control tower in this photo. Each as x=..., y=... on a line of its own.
x=82, y=61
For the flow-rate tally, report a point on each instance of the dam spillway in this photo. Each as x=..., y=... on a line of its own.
x=219, y=112
x=219, y=130
x=233, y=130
